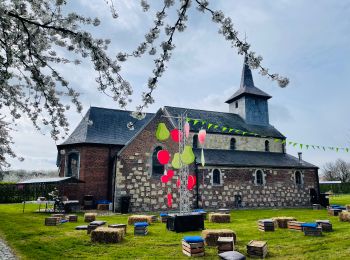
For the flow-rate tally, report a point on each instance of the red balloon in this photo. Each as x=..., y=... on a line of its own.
x=176, y=135
x=164, y=179
x=191, y=182
x=178, y=183
x=170, y=200
x=170, y=173
x=163, y=157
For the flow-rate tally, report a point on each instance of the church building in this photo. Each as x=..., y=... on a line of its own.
x=251, y=170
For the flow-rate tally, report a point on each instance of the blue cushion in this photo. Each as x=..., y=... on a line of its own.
x=141, y=224
x=310, y=225
x=64, y=220
x=193, y=239
x=163, y=214
x=335, y=206
x=199, y=210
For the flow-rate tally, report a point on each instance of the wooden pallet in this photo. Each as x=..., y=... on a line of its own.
x=295, y=225
x=52, y=221
x=326, y=225
x=193, y=249
x=257, y=248
x=225, y=244
x=313, y=231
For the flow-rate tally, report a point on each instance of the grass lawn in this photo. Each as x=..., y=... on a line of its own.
x=30, y=239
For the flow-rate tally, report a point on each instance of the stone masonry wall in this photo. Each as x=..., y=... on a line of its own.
x=279, y=190
x=243, y=143
x=134, y=171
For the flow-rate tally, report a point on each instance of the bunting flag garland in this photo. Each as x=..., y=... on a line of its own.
x=227, y=129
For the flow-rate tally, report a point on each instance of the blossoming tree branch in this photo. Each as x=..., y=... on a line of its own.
x=38, y=36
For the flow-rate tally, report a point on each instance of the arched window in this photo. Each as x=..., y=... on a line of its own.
x=216, y=177
x=298, y=178
x=73, y=165
x=233, y=144
x=267, y=146
x=157, y=168
x=259, y=178
x=195, y=141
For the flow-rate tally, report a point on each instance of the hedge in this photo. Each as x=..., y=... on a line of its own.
x=336, y=188
x=13, y=193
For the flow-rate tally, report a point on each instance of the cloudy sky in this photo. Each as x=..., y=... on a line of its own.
x=308, y=42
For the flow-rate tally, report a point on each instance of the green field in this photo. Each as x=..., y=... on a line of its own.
x=27, y=235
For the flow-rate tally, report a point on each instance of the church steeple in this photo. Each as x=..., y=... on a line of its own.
x=248, y=101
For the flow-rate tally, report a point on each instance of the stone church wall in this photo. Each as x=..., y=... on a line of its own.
x=243, y=143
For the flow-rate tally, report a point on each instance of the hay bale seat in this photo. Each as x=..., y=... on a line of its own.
x=107, y=235
x=61, y=216
x=282, y=222
x=139, y=218
x=219, y=218
x=348, y=207
x=344, y=216
x=211, y=236
x=72, y=218
x=89, y=217
x=120, y=226
x=52, y=221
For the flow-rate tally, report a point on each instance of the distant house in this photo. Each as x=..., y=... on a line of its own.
x=248, y=171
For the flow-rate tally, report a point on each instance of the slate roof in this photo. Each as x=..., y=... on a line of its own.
x=223, y=119
x=235, y=158
x=109, y=126
x=247, y=86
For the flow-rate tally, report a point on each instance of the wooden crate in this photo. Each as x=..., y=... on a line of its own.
x=282, y=222
x=225, y=244
x=154, y=218
x=140, y=231
x=295, y=225
x=266, y=225
x=312, y=231
x=61, y=216
x=72, y=218
x=52, y=221
x=333, y=212
x=326, y=225
x=193, y=249
x=257, y=248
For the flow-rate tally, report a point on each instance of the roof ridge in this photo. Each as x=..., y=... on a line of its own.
x=203, y=110
x=116, y=109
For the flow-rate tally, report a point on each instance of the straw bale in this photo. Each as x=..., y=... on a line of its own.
x=139, y=218
x=211, y=236
x=107, y=235
x=344, y=216
x=219, y=218
x=89, y=217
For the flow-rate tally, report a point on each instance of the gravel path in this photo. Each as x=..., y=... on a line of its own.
x=6, y=252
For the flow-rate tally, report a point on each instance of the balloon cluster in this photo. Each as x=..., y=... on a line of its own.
x=185, y=158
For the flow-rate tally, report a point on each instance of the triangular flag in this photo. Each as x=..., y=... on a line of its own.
x=188, y=119
x=195, y=122
x=224, y=129
x=307, y=146
x=231, y=129
x=202, y=158
x=203, y=122
x=337, y=149
x=244, y=133
x=313, y=146
x=210, y=125
x=347, y=150
x=301, y=146
x=237, y=131
x=290, y=143
x=324, y=148
x=216, y=126
x=295, y=144
x=284, y=141
x=277, y=140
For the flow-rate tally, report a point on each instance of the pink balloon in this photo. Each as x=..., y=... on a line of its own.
x=170, y=173
x=163, y=157
x=178, y=183
x=164, y=179
x=201, y=136
x=176, y=135
x=191, y=182
x=170, y=200
x=187, y=129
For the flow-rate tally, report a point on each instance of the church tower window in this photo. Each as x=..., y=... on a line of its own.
x=73, y=165
x=233, y=144
x=267, y=146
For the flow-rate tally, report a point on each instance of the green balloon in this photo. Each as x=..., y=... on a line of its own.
x=187, y=156
x=162, y=132
x=176, y=161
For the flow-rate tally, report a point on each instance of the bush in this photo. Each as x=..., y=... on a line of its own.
x=335, y=188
